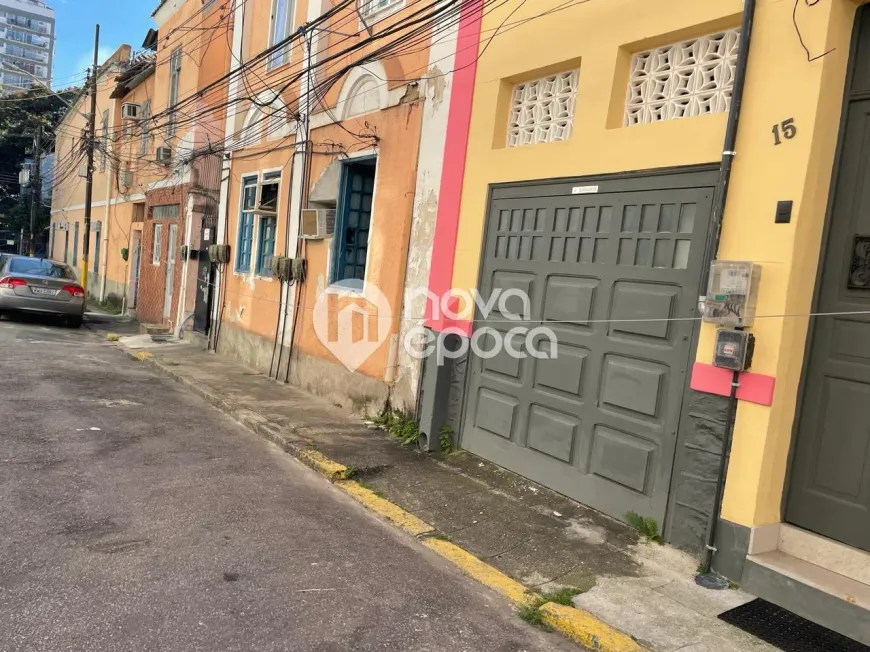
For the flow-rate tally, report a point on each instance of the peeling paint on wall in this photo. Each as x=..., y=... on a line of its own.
x=436, y=83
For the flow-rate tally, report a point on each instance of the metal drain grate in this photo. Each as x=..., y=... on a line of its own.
x=787, y=631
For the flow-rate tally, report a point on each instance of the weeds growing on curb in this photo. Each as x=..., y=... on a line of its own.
x=350, y=472
x=531, y=612
x=648, y=527
x=399, y=425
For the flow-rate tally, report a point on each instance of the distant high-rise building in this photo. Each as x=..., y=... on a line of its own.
x=26, y=44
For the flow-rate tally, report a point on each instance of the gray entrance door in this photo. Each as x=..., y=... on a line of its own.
x=829, y=489
x=615, y=275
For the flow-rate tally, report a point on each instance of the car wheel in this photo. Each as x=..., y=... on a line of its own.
x=74, y=322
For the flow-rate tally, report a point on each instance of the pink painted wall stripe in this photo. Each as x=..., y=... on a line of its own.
x=455, y=149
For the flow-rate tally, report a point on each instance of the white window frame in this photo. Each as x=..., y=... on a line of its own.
x=373, y=11
x=157, y=244
x=174, y=83
x=343, y=290
x=276, y=177
x=145, y=136
x=237, y=271
x=104, y=141
x=282, y=56
x=252, y=128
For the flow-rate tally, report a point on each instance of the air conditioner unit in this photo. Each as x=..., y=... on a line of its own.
x=164, y=154
x=130, y=111
x=125, y=178
x=317, y=223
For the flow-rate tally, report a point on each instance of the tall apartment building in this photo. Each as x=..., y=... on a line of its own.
x=26, y=44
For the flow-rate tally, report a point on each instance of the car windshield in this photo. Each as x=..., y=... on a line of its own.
x=38, y=267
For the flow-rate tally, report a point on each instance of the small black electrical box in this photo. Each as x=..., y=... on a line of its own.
x=734, y=349
x=783, y=212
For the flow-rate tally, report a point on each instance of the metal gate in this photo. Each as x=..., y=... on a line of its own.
x=613, y=268
x=204, y=283
x=205, y=189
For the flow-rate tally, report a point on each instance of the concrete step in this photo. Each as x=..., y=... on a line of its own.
x=830, y=599
x=155, y=329
x=829, y=554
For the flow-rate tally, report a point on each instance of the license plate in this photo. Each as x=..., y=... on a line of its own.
x=43, y=291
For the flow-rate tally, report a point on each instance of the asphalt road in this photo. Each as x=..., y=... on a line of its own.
x=133, y=516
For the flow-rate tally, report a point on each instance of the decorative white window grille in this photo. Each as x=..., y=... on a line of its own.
x=542, y=110
x=682, y=80
x=374, y=8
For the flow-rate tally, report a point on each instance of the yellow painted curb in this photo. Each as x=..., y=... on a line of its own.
x=322, y=464
x=390, y=511
x=113, y=337
x=482, y=572
x=585, y=629
x=143, y=355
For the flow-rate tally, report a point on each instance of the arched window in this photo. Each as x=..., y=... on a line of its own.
x=252, y=127
x=363, y=91
x=267, y=118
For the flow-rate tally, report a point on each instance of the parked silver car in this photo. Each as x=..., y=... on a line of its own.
x=41, y=286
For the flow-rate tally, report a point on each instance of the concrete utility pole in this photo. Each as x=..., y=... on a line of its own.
x=91, y=144
x=35, y=187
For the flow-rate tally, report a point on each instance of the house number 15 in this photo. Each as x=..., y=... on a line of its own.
x=786, y=129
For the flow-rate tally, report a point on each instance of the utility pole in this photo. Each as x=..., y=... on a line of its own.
x=35, y=188
x=91, y=144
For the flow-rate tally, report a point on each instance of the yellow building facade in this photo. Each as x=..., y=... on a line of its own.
x=638, y=84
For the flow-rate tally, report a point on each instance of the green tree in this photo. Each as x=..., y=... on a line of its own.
x=20, y=115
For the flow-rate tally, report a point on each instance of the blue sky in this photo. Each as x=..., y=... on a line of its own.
x=121, y=21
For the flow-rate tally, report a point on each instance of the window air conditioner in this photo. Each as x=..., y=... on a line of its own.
x=164, y=154
x=130, y=111
x=317, y=223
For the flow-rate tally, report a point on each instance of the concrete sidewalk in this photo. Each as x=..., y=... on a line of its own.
x=531, y=534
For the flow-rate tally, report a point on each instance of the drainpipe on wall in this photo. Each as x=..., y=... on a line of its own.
x=707, y=578
x=299, y=189
x=103, y=263
x=729, y=148
x=226, y=162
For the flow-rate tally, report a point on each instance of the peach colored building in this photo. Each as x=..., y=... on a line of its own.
x=358, y=146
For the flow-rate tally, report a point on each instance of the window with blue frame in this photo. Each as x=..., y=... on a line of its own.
x=266, y=245
x=245, y=242
x=282, y=25
x=353, y=221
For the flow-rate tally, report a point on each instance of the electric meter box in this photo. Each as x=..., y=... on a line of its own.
x=732, y=293
x=733, y=350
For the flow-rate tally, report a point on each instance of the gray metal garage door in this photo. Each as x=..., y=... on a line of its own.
x=606, y=271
